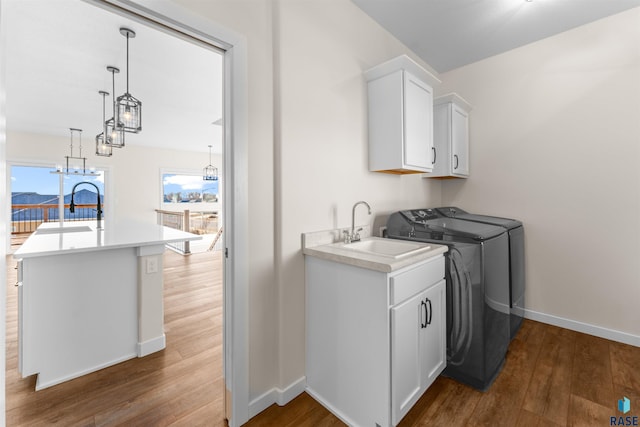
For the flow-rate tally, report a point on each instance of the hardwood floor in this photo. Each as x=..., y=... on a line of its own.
x=181, y=385
x=551, y=377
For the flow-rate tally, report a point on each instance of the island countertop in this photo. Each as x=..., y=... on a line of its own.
x=84, y=236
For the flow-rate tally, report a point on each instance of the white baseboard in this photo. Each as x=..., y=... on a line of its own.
x=342, y=417
x=152, y=345
x=586, y=328
x=277, y=395
x=43, y=381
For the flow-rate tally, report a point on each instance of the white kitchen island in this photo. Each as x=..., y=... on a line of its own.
x=89, y=298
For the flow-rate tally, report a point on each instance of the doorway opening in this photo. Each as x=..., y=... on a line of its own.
x=234, y=130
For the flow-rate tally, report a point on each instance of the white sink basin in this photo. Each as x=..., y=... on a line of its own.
x=387, y=247
x=58, y=230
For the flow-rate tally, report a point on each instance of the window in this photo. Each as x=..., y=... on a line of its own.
x=35, y=194
x=184, y=188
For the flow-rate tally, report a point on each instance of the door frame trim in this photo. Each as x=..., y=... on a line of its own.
x=236, y=319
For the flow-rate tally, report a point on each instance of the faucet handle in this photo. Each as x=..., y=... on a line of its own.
x=356, y=235
x=347, y=236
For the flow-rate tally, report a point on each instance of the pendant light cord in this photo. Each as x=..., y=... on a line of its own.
x=71, y=141
x=113, y=88
x=127, y=63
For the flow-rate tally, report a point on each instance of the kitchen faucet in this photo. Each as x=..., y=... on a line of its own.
x=72, y=205
x=354, y=236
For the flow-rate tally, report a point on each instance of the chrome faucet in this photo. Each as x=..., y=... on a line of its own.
x=72, y=205
x=354, y=236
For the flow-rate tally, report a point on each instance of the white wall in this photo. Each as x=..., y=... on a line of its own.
x=322, y=154
x=555, y=142
x=252, y=19
x=307, y=156
x=133, y=178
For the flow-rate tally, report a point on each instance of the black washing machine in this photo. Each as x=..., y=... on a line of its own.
x=516, y=257
x=477, y=278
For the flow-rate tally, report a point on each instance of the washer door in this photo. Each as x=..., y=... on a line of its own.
x=459, y=309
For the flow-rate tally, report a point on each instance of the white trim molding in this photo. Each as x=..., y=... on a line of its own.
x=585, y=328
x=277, y=395
x=152, y=345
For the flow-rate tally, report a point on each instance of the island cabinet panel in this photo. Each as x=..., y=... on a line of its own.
x=375, y=340
x=90, y=297
x=78, y=313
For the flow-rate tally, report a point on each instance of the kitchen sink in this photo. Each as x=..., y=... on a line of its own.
x=387, y=247
x=59, y=230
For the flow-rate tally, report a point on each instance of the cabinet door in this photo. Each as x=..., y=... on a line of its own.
x=418, y=123
x=433, y=339
x=407, y=320
x=459, y=141
x=441, y=136
x=418, y=347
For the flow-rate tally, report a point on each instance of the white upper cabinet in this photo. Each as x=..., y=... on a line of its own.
x=451, y=137
x=400, y=96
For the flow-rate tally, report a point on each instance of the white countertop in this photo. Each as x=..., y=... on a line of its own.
x=83, y=236
x=314, y=244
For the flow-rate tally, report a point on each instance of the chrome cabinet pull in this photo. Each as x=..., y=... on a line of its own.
x=455, y=156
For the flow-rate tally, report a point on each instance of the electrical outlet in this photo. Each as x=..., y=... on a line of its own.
x=152, y=265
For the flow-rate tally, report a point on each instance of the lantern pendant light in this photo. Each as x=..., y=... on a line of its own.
x=79, y=166
x=114, y=133
x=128, y=109
x=102, y=148
x=210, y=173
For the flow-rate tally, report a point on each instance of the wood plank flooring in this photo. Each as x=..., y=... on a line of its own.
x=551, y=377
x=181, y=385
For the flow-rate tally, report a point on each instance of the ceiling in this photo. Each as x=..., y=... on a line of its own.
x=448, y=34
x=56, y=58
x=57, y=52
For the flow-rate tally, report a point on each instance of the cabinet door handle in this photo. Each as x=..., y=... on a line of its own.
x=423, y=311
x=435, y=155
x=430, y=311
x=455, y=157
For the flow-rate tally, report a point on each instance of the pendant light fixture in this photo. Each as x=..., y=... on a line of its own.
x=210, y=173
x=129, y=109
x=102, y=148
x=80, y=166
x=113, y=132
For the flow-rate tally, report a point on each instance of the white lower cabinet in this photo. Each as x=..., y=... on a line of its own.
x=375, y=341
x=417, y=347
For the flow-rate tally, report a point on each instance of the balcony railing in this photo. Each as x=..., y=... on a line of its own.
x=26, y=218
x=193, y=222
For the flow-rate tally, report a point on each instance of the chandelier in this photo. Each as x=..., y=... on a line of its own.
x=128, y=109
x=210, y=173
x=75, y=165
